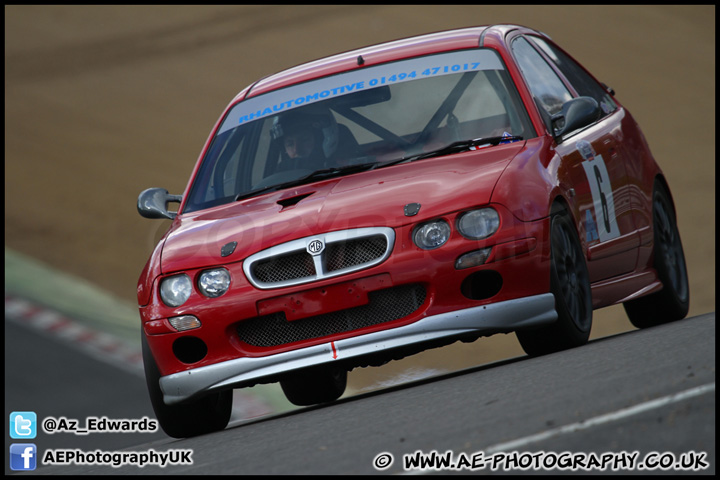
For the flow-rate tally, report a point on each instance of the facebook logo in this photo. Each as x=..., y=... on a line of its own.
x=23, y=456
x=23, y=425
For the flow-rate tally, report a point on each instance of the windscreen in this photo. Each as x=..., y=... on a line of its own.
x=371, y=115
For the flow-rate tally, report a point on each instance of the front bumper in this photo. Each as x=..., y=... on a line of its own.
x=498, y=317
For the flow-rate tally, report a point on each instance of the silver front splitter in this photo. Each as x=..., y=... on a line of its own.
x=502, y=316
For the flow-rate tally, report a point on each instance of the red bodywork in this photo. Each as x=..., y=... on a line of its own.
x=521, y=180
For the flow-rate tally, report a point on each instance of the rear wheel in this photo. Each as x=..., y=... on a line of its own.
x=314, y=385
x=204, y=415
x=570, y=284
x=673, y=301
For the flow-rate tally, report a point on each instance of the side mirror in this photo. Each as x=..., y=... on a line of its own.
x=576, y=113
x=152, y=203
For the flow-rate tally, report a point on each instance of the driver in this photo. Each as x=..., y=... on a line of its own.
x=308, y=137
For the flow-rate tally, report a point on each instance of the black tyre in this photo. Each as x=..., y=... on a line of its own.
x=204, y=415
x=314, y=385
x=570, y=284
x=673, y=301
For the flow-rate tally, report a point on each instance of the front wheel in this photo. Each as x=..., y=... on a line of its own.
x=570, y=284
x=314, y=385
x=207, y=414
x=673, y=301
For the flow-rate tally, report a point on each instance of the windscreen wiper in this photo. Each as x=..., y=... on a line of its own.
x=309, y=178
x=456, y=147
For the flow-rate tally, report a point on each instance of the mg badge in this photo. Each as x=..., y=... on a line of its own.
x=315, y=247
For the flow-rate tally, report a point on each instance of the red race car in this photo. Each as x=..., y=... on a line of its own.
x=373, y=204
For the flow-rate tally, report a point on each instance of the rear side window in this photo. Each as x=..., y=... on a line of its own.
x=583, y=82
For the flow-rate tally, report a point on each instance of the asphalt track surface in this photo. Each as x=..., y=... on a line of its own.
x=105, y=101
x=650, y=392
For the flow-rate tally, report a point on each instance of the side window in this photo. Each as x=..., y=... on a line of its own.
x=545, y=85
x=583, y=83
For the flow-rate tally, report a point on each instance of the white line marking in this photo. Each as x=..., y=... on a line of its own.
x=599, y=420
x=592, y=422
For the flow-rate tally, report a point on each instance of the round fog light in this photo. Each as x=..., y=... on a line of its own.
x=432, y=235
x=213, y=283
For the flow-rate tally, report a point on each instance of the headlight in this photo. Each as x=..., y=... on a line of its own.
x=432, y=235
x=479, y=224
x=215, y=282
x=175, y=290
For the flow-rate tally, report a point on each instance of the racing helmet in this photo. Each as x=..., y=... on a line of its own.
x=319, y=119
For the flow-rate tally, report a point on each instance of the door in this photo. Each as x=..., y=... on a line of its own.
x=591, y=162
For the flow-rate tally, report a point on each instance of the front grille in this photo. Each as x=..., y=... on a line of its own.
x=285, y=267
x=354, y=252
x=299, y=261
x=383, y=306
